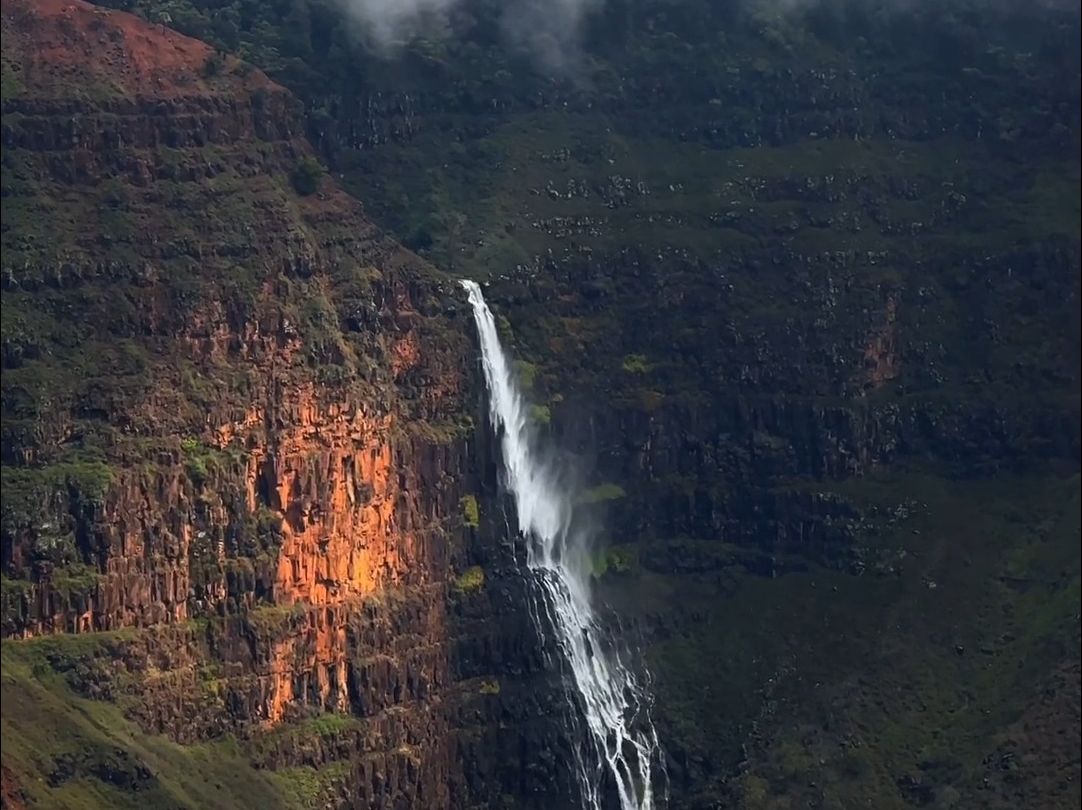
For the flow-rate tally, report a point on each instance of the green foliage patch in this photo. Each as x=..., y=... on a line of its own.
x=471, y=512
x=470, y=581
x=615, y=560
x=306, y=176
x=490, y=686
x=602, y=493
x=540, y=414
x=635, y=364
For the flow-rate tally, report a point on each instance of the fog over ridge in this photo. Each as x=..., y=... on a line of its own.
x=549, y=31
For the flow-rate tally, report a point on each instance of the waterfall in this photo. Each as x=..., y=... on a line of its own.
x=620, y=748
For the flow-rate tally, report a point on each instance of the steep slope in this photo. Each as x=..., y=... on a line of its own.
x=801, y=283
x=235, y=555
x=173, y=351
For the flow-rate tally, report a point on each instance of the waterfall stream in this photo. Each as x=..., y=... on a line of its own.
x=620, y=749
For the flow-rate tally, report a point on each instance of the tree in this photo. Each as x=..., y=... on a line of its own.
x=306, y=176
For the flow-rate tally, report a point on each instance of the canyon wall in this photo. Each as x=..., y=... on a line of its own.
x=238, y=440
x=799, y=290
x=799, y=287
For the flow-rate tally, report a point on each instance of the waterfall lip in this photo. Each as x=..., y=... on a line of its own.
x=623, y=745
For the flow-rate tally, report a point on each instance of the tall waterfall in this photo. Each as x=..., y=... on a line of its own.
x=620, y=748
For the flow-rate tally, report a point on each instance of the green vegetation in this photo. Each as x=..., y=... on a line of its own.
x=10, y=82
x=602, y=493
x=14, y=587
x=962, y=633
x=214, y=65
x=273, y=621
x=258, y=535
x=330, y=724
x=526, y=373
x=75, y=579
x=202, y=463
x=540, y=414
x=503, y=326
x=439, y=431
x=471, y=512
x=196, y=469
x=471, y=580
x=615, y=560
x=29, y=490
x=66, y=752
x=490, y=686
x=306, y=176
x=329, y=727
x=635, y=364
x=313, y=787
x=13, y=592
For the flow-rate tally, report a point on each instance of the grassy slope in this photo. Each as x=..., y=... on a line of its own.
x=116, y=764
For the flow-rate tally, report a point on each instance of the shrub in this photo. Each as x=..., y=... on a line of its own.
x=471, y=512
x=471, y=580
x=527, y=374
x=76, y=579
x=602, y=492
x=615, y=560
x=214, y=64
x=635, y=364
x=540, y=414
x=195, y=467
x=306, y=176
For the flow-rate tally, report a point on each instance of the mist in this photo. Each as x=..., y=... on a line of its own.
x=388, y=23
x=548, y=31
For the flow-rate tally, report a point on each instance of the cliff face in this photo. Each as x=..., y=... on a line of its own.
x=800, y=288
x=800, y=285
x=235, y=447
x=321, y=478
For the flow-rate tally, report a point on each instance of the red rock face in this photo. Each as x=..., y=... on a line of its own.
x=9, y=790
x=352, y=511
x=327, y=465
x=69, y=43
x=347, y=540
x=278, y=506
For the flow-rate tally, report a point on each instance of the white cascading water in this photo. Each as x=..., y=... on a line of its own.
x=621, y=739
